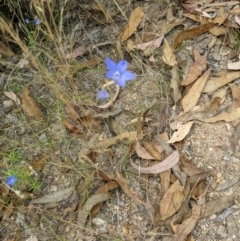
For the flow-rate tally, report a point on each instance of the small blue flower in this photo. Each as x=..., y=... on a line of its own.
x=11, y=180
x=26, y=20
x=37, y=21
x=102, y=94
x=118, y=72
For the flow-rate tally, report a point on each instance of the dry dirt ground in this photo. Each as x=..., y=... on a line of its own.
x=61, y=153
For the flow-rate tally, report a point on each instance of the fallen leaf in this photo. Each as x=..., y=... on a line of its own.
x=127, y=138
x=55, y=197
x=165, y=165
x=13, y=97
x=142, y=152
x=191, y=33
x=195, y=70
x=217, y=82
x=218, y=205
x=134, y=20
x=226, y=213
x=181, y=133
x=79, y=51
x=190, y=100
x=32, y=238
x=39, y=163
x=175, y=84
x=155, y=43
x=218, y=30
x=115, y=127
x=105, y=189
x=86, y=209
x=72, y=127
x=152, y=150
x=171, y=200
x=234, y=65
x=108, y=114
x=30, y=106
x=168, y=56
x=8, y=211
x=189, y=224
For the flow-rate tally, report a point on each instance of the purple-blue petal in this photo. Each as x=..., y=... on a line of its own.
x=111, y=74
x=11, y=180
x=122, y=66
x=128, y=76
x=102, y=94
x=121, y=82
x=111, y=65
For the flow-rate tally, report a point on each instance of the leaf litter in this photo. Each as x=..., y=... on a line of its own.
x=181, y=204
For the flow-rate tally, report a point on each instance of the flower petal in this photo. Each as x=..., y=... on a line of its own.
x=122, y=66
x=11, y=180
x=111, y=65
x=121, y=82
x=128, y=76
x=102, y=94
x=111, y=74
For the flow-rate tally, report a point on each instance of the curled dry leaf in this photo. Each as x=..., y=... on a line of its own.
x=188, y=224
x=13, y=97
x=142, y=152
x=182, y=131
x=134, y=20
x=168, y=56
x=155, y=43
x=191, y=33
x=234, y=65
x=30, y=106
x=190, y=100
x=215, y=83
x=109, y=103
x=166, y=164
x=92, y=201
x=195, y=70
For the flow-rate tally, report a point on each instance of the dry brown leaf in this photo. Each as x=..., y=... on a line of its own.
x=189, y=224
x=155, y=43
x=105, y=189
x=218, y=30
x=165, y=165
x=224, y=116
x=79, y=51
x=85, y=210
x=128, y=138
x=171, y=200
x=134, y=20
x=123, y=183
x=191, y=33
x=30, y=106
x=115, y=127
x=234, y=65
x=8, y=211
x=142, y=152
x=39, y=163
x=235, y=96
x=13, y=97
x=152, y=150
x=215, y=83
x=195, y=70
x=168, y=56
x=218, y=205
x=190, y=100
x=182, y=131
x=72, y=127
x=175, y=84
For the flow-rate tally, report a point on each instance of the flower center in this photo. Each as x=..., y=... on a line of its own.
x=116, y=75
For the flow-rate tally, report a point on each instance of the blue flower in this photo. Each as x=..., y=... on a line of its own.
x=26, y=20
x=37, y=21
x=102, y=94
x=118, y=72
x=11, y=180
